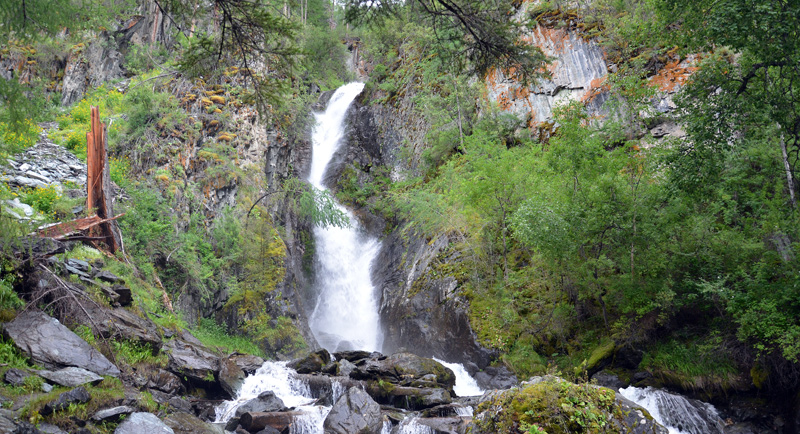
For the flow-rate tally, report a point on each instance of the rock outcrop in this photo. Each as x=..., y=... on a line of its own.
x=48, y=342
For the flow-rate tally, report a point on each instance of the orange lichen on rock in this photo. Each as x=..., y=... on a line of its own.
x=596, y=87
x=673, y=75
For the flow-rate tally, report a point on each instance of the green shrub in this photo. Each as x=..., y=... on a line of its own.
x=42, y=199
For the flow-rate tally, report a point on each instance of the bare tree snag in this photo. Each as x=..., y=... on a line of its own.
x=98, y=184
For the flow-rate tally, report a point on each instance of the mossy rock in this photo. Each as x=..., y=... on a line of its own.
x=601, y=353
x=558, y=406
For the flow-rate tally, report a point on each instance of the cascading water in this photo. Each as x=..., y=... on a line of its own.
x=465, y=384
x=345, y=316
x=677, y=413
x=283, y=382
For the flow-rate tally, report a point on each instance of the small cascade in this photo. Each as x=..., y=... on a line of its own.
x=284, y=383
x=465, y=411
x=410, y=425
x=345, y=316
x=465, y=384
x=677, y=413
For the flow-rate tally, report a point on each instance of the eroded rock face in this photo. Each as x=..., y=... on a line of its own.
x=231, y=376
x=354, y=413
x=421, y=310
x=577, y=71
x=54, y=346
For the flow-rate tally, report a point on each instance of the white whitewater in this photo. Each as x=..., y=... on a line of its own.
x=283, y=382
x=345, y=316
x=677, y=413
x=465, y=384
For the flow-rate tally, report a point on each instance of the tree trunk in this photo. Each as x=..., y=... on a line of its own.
x=789, y=177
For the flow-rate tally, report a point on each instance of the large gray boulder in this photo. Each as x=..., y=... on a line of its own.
x=143, y=423
x=122, y=323
x=189, y=357
x=265, y=402
x=354, y=413
x=51, y=344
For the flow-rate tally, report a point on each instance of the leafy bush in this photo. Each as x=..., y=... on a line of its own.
x=42, y=199
x=18, y=138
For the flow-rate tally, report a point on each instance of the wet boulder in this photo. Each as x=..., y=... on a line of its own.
x=266, y=402
x=354, y=413
x=409, y=398
x=246, y=362
x=312, y=363
x=231, y=376
x=51, y=344
x=405, y=369
x=258, y=421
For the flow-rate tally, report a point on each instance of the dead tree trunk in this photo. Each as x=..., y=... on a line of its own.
x=98, y=185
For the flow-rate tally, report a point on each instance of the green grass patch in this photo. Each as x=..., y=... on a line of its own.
x=216, y=336
x=104, y=395
x=691, y=364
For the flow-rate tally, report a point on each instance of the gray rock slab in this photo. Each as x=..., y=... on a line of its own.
x=71, y=376
x=188, y=356
x=51, y=344
x=112, y=413
x=105, y=276
x=16, y=376
x=143, y=423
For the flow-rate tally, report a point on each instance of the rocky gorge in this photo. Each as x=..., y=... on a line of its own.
x=220, y=244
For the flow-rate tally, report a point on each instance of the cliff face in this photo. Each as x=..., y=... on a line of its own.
x=576, y=73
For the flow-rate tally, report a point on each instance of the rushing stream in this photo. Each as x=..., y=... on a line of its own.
x=678, y=414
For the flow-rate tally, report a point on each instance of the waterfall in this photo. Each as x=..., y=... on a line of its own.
x=677, y=413
x=345, y=316
x=465, y=384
